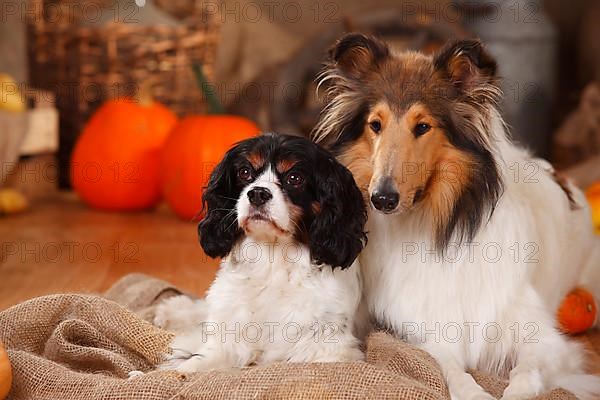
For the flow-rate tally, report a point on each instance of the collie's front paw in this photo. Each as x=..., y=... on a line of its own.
x=520, y=391
x=465, y=388
x=523, y=384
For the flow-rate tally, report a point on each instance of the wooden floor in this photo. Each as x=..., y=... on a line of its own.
x=61, y=246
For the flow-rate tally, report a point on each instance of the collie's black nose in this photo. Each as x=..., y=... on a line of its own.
x=259, y=196
x=385, y=201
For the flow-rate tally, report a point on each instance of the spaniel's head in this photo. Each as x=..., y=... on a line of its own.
x=276, y=185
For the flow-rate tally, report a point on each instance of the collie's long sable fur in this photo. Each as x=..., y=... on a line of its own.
x=472, y=241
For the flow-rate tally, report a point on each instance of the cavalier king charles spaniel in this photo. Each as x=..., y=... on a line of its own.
x=288, y=220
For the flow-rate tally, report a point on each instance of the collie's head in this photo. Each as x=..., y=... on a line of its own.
x=275, y=187
x=416, y=131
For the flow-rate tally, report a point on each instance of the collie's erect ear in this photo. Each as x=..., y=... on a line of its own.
x=218, y=231
x=337, y=232
x=351, y=60
x=466, y=63
x=355, y=54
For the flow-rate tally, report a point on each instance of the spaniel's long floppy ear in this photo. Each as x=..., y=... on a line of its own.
x=337, y=232
x=467, y=65
x=218, y=230
x=356, y=54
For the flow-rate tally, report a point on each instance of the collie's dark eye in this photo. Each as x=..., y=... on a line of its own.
x=421, y=129
x=245, y=173
x=375, y=126
x=294, y=179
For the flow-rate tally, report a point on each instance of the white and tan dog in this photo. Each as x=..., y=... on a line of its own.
x=472, y=241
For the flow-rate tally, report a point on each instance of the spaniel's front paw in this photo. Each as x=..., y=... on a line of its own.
x=343, y=355
x=194, y=364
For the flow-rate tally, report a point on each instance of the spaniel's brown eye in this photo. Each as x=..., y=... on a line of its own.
x=421, y=128
x=294, y=179
x=375, y=126
x=245, y=173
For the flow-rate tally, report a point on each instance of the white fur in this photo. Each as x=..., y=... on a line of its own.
x=180, y=314
x=268, y=302
x=277, y=207
x=430, y=299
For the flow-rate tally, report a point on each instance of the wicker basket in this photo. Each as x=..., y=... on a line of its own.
x=87, y=64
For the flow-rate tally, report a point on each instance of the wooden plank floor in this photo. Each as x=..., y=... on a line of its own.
x=60, y=246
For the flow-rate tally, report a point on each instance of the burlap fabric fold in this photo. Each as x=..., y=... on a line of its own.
x=67, y=347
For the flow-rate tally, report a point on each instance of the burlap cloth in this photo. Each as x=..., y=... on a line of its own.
x=71, y=346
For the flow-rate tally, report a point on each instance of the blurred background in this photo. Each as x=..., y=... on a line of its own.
x=113, y=113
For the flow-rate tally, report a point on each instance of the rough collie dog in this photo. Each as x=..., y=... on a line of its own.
x=472, y=242
x=285, y=215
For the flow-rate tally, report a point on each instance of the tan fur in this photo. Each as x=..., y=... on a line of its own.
x=285, y=165
x=256, y=160
x=358, y=159
x=316, y=207
x=446, y=184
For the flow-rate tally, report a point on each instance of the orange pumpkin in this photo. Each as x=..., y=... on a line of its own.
x=5, y=373
x=116, y=161
x=194, y=147
x=577, y=313
x=593, y=196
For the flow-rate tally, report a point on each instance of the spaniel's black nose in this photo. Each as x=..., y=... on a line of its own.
x=385, y=201
x=259, y=196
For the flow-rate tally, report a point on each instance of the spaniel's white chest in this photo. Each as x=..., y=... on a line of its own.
x=271, y=296
x=282, y=297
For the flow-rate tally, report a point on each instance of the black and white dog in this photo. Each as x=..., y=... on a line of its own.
x=283, y=214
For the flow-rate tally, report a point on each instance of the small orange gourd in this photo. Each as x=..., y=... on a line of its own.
x=578, y=311
x=5, y=373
